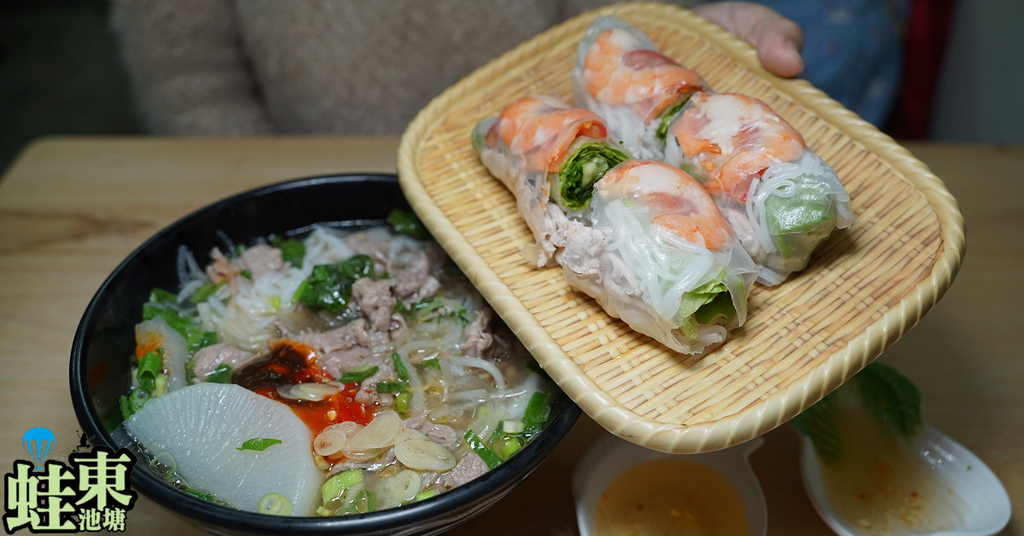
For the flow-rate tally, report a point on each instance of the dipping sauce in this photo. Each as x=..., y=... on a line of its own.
x=670, y=496
x=880, y=489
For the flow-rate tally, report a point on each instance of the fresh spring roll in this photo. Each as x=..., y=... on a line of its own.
x=621, y=76
x=659, y=255
x=541, y=148
x=781, y=199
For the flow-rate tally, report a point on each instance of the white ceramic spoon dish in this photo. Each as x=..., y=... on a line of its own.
x=613, y=467
x=932, y=486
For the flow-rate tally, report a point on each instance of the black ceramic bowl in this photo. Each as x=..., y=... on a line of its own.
x=104, y=343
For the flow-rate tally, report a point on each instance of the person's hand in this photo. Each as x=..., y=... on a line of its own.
x=777, y=39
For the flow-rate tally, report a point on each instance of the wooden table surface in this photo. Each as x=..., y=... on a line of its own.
x=72, y=208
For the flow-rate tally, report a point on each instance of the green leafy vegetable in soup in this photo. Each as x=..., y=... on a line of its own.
x=405, y=222
x=329, y=287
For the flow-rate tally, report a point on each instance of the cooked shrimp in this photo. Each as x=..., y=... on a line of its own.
x=676, y=201
x=536, y=126
x=620, y=69
x=731, y=139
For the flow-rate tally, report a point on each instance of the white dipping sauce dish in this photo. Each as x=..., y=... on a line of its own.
x=611, y=457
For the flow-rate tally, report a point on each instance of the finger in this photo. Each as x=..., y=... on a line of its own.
x=777, y=39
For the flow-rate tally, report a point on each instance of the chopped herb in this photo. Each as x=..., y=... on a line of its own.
x=163, y=303
x=437, y=305
x=126, y=409
x=508, y=444
x=432, y=363
x=159, y=295
x=222, y=374
x=200, y=494
x=538, y=410
x=336, y=486
x=422, y=307
x=359, y=374
x=402, y=402
x=390, y=387
x=133, y=402
x=275, y=504
x=258, y=444
x=400, y=370
x=424, y=495
x=205, y=292
x=490, y=458
x=151, y=365
x=247, y=274
x=365, y=501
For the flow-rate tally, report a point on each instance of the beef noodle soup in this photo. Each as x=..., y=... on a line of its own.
x=334, y=373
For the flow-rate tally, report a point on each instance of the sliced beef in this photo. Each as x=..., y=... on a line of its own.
x=364, y=244
x=376, y=300
x=349, y=347
x=416, y=280
x=477, y=335
x=258, y=260
x=443, y=435
x=207, y=359
x=368, y=389
x=219, y=268
x=385, y=459
x=468, y=468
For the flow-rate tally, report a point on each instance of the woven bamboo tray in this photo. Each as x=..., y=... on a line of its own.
x=865, y=287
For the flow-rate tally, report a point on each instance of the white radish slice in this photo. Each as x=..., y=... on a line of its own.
x=417, y=451
x=202, y=426
x=157, y=333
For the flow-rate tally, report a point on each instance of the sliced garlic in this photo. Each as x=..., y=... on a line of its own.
x=417, y=451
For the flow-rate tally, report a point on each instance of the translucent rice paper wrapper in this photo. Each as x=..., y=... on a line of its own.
x=654, y=82
x=784, y=212
x=547, y=132
x=639, y=272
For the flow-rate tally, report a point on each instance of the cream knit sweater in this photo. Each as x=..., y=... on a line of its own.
x=250, y=67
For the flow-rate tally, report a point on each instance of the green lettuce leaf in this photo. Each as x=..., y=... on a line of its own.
x=587, y=164
x=704, y=305
x=800, y=222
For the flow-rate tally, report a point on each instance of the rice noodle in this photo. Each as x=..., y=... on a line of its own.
x=187, y=267
x=478, y=395
x=324, y=246
x=476, y=362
